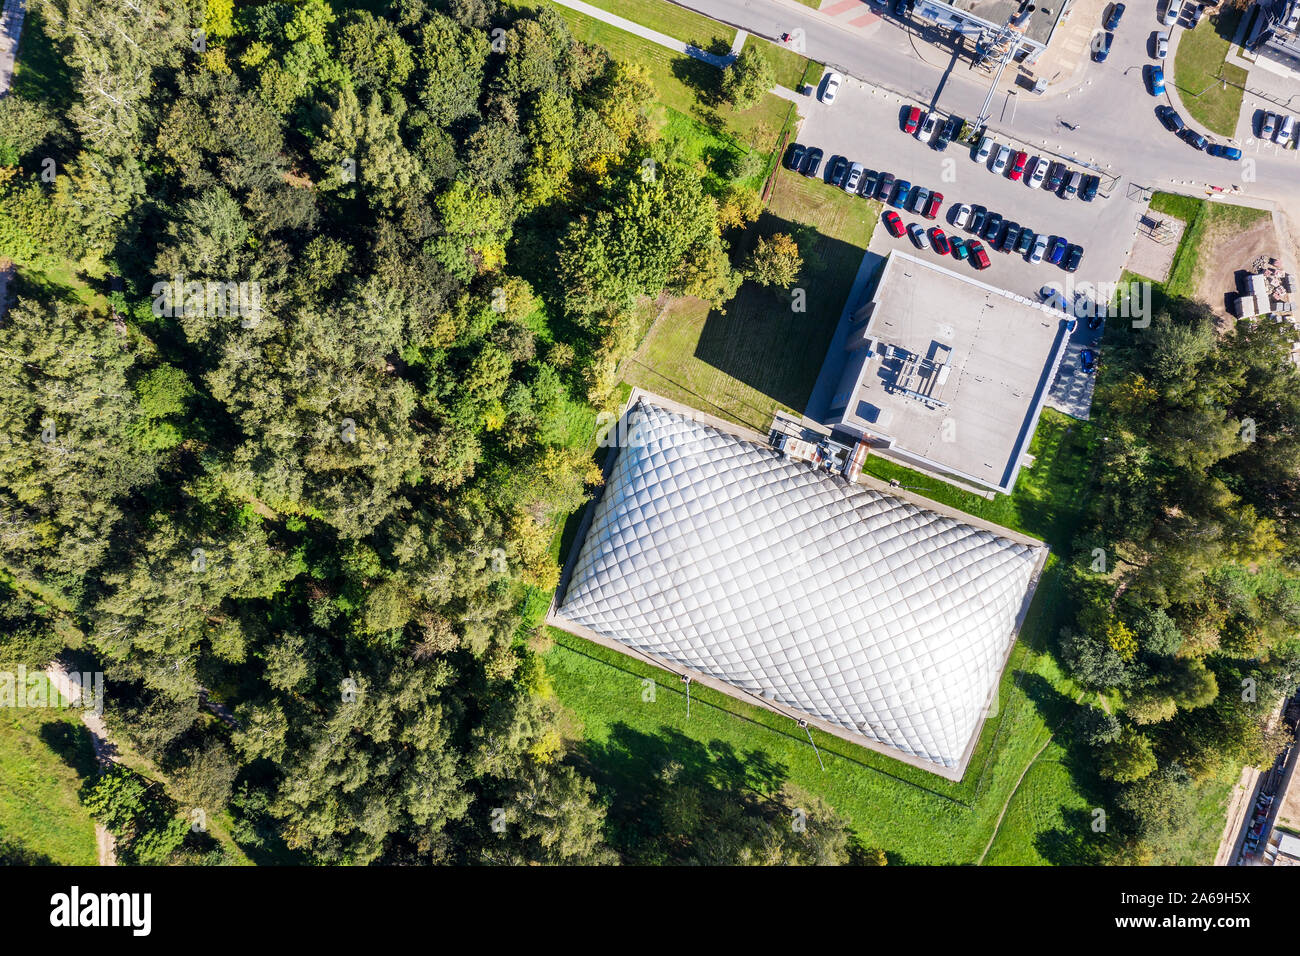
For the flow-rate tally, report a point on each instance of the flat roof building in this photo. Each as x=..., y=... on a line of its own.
x=944, y=372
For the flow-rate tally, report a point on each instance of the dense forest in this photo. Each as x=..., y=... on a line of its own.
x=368, y=274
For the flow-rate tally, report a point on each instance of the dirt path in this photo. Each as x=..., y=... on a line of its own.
x=105, y=751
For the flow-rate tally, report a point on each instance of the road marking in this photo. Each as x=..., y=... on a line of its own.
x=844, y=6
x=865, y=20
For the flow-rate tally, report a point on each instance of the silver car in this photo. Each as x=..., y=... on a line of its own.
x=1040, y=246
x=854, y=177
x=986, y=148
x=1162, y=45
x=1268, y=126
x=1004, y=156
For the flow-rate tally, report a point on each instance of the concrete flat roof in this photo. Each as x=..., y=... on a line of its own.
x=946, y=371
x=1037, y=28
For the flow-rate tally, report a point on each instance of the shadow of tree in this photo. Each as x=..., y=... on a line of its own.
x=15, y=853
x=71, y=741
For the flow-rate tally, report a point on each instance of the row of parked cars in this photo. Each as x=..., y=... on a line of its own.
x=1037, y=171
x=869, y=183
x=1174, y=123
x=1008, y=237
x=1277, y=127
x=932, y=128
x=957, y=247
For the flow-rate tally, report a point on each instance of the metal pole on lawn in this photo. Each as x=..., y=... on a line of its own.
x=686, y=679
x=806, y=730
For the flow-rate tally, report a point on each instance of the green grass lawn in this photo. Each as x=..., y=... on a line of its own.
x=672, y=20
x=1198, y=63
x=915, y=816
x=761, y=355
x=1201, y=217
x=793, y=69
x=44, y=755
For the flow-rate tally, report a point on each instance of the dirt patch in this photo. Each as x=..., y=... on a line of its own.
x=1225, y=251
x=1153, y=257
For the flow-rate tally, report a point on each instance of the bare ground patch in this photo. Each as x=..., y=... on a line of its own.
x=1226, y=251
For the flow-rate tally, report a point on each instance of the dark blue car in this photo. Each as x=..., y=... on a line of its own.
x=1056, y=250
x=901, y=193
x=1224, y=152
x=1112, y=18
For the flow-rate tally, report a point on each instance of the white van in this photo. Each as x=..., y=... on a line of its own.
x=1286, y=131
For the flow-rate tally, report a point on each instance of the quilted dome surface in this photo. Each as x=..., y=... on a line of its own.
x=859, y=608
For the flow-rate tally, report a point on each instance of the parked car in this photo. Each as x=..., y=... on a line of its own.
x=1072, y=185
x=839, y=166
x=902, y=191
x=1004, y=157
x=938, y=240
x=1101, y=46
x=1114, y=15
x=943, y=136
x=1008, y=240
x=854, y=178
x=977, y=254
x=1018, y=166
x=932, y=205
x=794, y=156
x=1267, y=126
x=917, y=232
x=961, y=216
x=1156, y=75
x=1088, y=191
x=1039, y=172
x=1096, y=319
x=1025, y=241
x=893, y=223
x=1040, y=247
x=919, y=197
x=1073, y=256
x=1286, y=131
x=1056, y=250
x=1171, y=12
x=992, y=227
x=1162, y=45
x=987, y=145
x=977, y=217
x=913, y=120
x=1223, y=152
x=870, y=180
x=1088, y=361
x=831, y=87
x=1194, y=139
x=1195, y=18
x=928, y=126
x=1056, y=176
x=1170, y=118
x=886, y=187
x=960, y=249
x=812, y=162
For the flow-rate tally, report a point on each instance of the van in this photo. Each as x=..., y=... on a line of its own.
x=1286, y=131
x=1072, y=187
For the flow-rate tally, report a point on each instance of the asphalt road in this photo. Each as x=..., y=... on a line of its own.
x=1112, y=111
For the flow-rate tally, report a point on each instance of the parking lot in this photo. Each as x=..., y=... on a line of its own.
x=866, y=127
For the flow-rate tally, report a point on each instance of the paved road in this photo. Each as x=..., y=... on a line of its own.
x=1113, y=113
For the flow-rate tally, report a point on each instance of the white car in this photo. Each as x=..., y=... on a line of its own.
x=1171, y=12
x=986, y=147
x=831, y=87
x=1162, y=45
x=1286, y=131
x=1035, y=179
x=854, y=177
x=1040, y=246
x=962, y=216
x=928, y=127
x=1000, y=164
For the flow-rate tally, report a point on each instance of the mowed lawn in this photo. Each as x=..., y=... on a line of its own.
x=44, y=753
x=1198, y=62
x=916, y=817
x=672, y=20
x=762, y=355
x=1202, y=217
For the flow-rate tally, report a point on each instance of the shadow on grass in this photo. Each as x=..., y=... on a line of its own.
x=71, y=741
x=762, y=340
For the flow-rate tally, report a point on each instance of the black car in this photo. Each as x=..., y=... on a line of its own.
x=1055, y=176
x=870, y=180
x=812, y=162
x=992, y=227
x=1073, y=256
x=1009, y=237
x=1170, y=118
x=977, y=217
x=1026, y=241
x=794, y=157
x=1096, y=320
x=1088, y=191
x=886, y=186
x=1194, y=139
x=1196, y=16
x=1113, y=17
x=1101, y=46
x=839, y=166
x=948, y=132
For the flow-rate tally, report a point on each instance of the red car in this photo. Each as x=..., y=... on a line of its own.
x=977, y=254
x=938, y=240
x=893, y=223
x=913, y=120
x=1018, y=167
x=932, y=205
